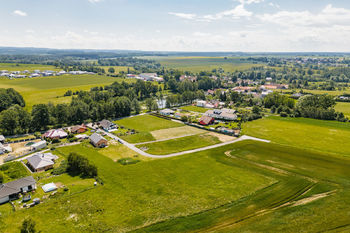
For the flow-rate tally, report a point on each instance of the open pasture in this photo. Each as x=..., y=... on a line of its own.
x=29, y=67
x=142, y=194
x=117, y=68
x=312, y=194
x=144, y=125
x=343, y=107
x=162, y=134
x=330, y=137
x=194, y=109
x=51, y=89
x=180, y=144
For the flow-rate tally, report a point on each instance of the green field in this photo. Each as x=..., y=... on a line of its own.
x=117, y=68
x=326, y=136
x=144, y=125
x=194, y=109
x=197, y=64
x=29, y=67
x=180, y=144
x=344, y=108
x=13, y=171
x=51, y=89
x=138, y=195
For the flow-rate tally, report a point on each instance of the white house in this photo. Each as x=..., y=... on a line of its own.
x=38, y=145
x=201, y=103
x=11, y=190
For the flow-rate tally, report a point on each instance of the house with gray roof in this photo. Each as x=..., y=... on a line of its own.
x=41, y=162
x=98, y=141
x=107, y=125
x=11, y=190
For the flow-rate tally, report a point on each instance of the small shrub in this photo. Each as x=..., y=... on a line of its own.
x=283, y=114
x=127, y=161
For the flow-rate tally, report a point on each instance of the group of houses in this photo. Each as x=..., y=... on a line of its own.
x=38, y=73
x=223, y=114
x=209, y=104
x=146, y=77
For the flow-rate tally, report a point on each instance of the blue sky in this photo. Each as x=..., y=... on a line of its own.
x=181, y=25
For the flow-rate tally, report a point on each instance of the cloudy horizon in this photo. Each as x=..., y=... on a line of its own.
x=192, y=25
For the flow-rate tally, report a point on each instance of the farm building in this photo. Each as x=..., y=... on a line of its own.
x=78, y=129
x=166, y=112
x=41, y=162
x=10, y=191
x=206, y=120
x=38, y=145
x=107, y=125
x=222, y=114
x=2, y=139
x=98, y=141
x=55, y=134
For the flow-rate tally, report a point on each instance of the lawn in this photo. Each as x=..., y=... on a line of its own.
x=180, y=144
x=325, y=136
x=194, y=109
x=198, y=64
x=119, y=151
x=51, y=89
x=144, y=124
x=138, y=195
x=344, y=108
x=13, y=171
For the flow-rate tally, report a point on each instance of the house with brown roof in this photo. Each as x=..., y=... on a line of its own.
x=206, y=120
x=78, y=129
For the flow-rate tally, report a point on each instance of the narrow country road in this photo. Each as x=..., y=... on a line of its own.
x=141, y=152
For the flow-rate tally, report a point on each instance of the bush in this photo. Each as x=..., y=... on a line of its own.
x=61, y=169
x=28, y=226
x=55, y=140
x=283, y=114
x=2, y=177
x=79, y=165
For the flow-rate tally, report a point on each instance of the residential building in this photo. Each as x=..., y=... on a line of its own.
x=38, y=145
x=201, y=103
x=222, y=114
x=107, y=125
x=2, y=139
x=11, y=190
x=55, y=134
x=78, y=129
x=206, y=120
x=166, y=112
x=98, y=141
x=41, y=162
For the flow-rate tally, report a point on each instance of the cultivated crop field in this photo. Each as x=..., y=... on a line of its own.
x=51, y=89
x=29, y=67
x=325, y=136
x=197, y=64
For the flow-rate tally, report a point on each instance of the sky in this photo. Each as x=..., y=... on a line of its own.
x=178, y=25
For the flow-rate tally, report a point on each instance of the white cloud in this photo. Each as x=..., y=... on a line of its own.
x=183, y=15
x=20, y=13
x=249, y=1
x=235, y=13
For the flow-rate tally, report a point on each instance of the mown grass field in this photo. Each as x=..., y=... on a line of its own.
x=197, y=64
x=139, y=195
x=119, y=151
x=326, y=136
x=29, y=67
x=51, y=89
x=176, y=132
x=344, y=108
x=144, y=125
x=194, y=109
x=180, y=144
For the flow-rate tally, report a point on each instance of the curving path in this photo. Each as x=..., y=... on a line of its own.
x=141, y=152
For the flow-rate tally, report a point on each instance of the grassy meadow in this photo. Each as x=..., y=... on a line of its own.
x=144, y=125
x=51, y=89
x=142, y=194
x=29, y=67
x=180, y=144
x=326, y=136
x=117, y=68
x=194, y=109
x=197, y=64
x=344, y=108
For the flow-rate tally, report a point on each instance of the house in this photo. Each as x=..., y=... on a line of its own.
x=2, y=139
x=266, y=92
x=41, y=162
x=148, y=76
x=82, y=136
x=107, y=125
x=189, y=78
x=206, y=120
x=201, y=103
x=5, y=149
x=55, y=134
x=166, y=112
x=38, y=145
x=222, y=114
x=98, y=141
x=78, y=129
x=11, y=190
